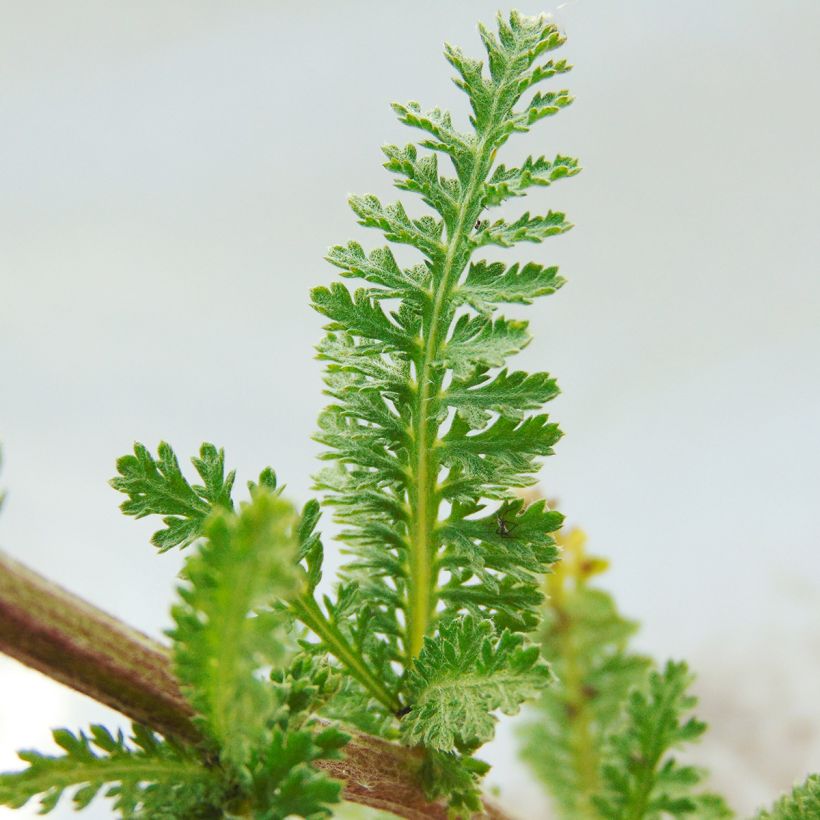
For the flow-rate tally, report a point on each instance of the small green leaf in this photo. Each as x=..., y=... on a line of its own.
x=142, y=775
x=511, y=182
x=457, y=777
x=226, y=626
x=464, y=674
x=424, y=233
x=360, y=316
x=477, y=341
x=510, y=394
x=158, y=487
x=524, y=229
x=380, y=268
x=490, y=284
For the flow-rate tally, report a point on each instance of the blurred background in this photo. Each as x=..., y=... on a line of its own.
x=170, y=178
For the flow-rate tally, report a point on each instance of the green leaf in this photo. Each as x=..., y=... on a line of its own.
x=158, y=487
x=510, y=182
x=360, y=316
x=420, y=175
x=803, y=803
x=311, y=550
x=397, y=226
x=143, y=775
x=380, y=268
x=506, y=439
x=490, y=284
x=524, y=229
x=287, y=785
x=410, y=477
x=495, y=562
x=477, y=341
x=444, y=137
x=226, y=626
x=457, y=777
x=642, y=779
x=464, y=674
x=585, y=640
x=284, y=781
x=543, y=104
x=510, y=394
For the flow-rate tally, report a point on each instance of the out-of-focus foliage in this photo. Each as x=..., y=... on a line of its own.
x=803, y=803
x=641, y=776
x=585, y=639
x=600, y=738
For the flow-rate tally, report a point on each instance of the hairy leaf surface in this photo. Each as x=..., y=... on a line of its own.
x=226, y=626
x=464, y=674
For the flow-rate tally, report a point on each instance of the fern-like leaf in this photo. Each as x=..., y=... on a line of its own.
x=584, y=638
x=226, y=625
x=396, y=374
x=156, y=486
x=456, y=777
x=464, y=674
x=150, y=484
x=284, y=781
x=643, y=779
x=146, y=776
x=803, y=803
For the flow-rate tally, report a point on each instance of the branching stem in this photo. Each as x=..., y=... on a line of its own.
x=75, y=643
x=310, y=614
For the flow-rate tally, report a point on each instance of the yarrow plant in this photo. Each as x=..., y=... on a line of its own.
x=429, y=439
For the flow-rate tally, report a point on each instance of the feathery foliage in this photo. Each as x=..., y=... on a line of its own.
x=427, y=426
x=283, y=782
x=462, y=676
x=226, y=625
x=422, y=431
x=261, y=736
x=803, y=803
x=150, y=483
x=600, y=738
x=146, y=777
x=584, y=638
x=156, y=486
x=228, y=630
x=430, y=435
x=641, y=778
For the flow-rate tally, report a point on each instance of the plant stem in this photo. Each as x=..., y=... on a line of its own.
x=308, y=611
x=424, y=499
x=62, y=636
x=73, y=642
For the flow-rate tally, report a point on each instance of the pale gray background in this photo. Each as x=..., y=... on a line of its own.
x=170, y=176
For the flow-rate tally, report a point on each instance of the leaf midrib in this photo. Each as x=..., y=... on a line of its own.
x=421, y=581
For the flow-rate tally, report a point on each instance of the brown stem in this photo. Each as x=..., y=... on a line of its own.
x=68, y=639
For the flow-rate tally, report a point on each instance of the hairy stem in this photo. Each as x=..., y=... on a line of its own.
x=424, y=500
x=308, y=612
x=62, y=636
